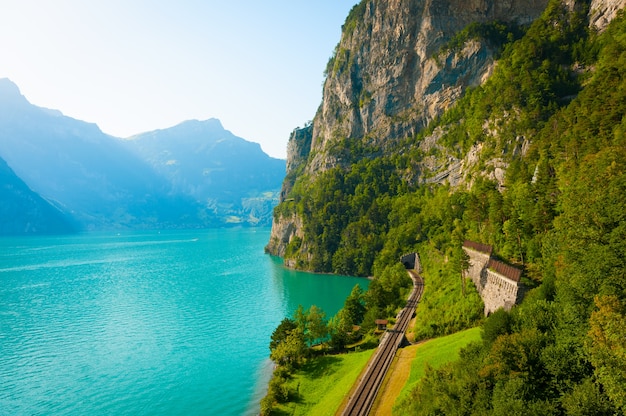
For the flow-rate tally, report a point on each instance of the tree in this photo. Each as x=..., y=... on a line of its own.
x=354, y=306
x=498, y=323
x=281, y=332
x=292, y=351
x=385, y=291
x=312, y=323
x=278, y=389
x=301, y=318
x=317, y=328
x=607, y=347
x=369, y=320
x=267, y=404
x=586, y=399
x=340, y=329
x=460, y=259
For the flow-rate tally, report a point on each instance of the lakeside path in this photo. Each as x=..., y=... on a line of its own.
x=362, y=398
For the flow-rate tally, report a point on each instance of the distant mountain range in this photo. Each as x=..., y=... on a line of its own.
x=196, y=174
x=23, y=211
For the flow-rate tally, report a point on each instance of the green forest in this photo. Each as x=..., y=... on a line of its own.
x=560, y=216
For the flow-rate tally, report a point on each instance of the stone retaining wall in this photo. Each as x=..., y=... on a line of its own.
x=497, y=283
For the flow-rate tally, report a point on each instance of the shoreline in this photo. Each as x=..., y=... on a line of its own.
x=263, y=376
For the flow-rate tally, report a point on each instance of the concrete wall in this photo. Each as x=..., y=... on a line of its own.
x=477, y=263
x=499, y=292
x=412, y=261
x=496, y=290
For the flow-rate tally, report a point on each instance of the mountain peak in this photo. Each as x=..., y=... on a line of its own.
x=211, y=126
x=212, y=122
x=9, y=87
x=188, y=128
x=10, y=93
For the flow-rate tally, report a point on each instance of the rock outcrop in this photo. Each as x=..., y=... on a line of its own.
x=390, y=75
x=399, y=65
x=601, y=12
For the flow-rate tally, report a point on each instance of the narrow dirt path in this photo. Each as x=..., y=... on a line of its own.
x=396, y=379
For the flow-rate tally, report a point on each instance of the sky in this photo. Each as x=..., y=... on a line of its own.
x=133, y=66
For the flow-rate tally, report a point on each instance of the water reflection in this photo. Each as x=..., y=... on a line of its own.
x=326, y=291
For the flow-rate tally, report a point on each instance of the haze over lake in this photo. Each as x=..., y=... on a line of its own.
x=153, y=323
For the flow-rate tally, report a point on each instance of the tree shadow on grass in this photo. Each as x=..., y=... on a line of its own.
x=321, y=366
x=279, y=412
x=314, y=369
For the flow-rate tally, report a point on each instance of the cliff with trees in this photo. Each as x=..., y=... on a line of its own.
x=499, y=122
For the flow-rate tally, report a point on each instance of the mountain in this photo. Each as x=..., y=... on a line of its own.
x=392, y=73
x=397, y=70
x=86, y=172
x=24, y=212
x=223, y=172
x=502, y=123
x=102, y=184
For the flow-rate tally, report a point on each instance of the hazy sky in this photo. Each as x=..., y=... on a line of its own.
x=132, y=66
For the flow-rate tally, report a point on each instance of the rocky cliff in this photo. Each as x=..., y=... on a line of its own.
x=399, y=65
x=391, y=74
x=601, y=12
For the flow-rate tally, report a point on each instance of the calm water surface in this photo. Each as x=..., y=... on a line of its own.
x=170, y=323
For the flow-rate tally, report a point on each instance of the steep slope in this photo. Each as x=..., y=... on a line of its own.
x=23, y=212
x=391, y=73
x=561, y=215
x=221, y=171
x=399, y=68
x=399, y=64
x=532, y=162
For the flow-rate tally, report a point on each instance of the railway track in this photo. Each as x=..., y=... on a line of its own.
x=362, y=399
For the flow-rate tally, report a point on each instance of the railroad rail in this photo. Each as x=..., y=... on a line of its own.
x=362, y=399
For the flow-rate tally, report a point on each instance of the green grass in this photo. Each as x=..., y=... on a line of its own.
x=322, y=384
x=436, y=353
x=443, y=309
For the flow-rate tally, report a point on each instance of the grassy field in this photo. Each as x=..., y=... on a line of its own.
x=323, y=383
x=435, y=353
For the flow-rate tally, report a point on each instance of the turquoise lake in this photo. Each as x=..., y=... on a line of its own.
x=146, y=323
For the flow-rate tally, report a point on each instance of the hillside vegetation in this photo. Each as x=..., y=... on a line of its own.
x=547, y=189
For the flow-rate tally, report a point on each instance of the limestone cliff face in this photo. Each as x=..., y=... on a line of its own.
x=601, y=12
x=389, y=77
x=298, y=149
x=392, y=73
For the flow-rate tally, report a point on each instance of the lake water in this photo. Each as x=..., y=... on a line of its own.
x=169, y=323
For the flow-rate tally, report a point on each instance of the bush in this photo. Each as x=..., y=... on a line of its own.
x=278, y=389
x=267, y=405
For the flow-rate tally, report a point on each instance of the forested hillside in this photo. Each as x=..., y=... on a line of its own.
x=562, y=214
x=532, y=162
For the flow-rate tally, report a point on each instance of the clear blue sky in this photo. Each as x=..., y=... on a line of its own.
x=132, y=66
